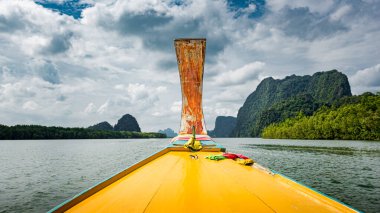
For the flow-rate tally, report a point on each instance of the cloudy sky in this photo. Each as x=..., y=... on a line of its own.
x=80, y=62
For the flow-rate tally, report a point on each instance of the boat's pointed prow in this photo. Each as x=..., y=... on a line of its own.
x=190, y=58
x=194, y=173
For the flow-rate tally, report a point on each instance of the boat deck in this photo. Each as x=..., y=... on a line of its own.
x=176, y=182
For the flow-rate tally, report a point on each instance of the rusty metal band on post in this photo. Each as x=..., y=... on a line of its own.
x=190, y=59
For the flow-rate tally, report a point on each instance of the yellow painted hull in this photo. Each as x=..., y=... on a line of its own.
x=174, y=181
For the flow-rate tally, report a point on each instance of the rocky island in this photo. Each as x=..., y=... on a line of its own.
x=127, y=127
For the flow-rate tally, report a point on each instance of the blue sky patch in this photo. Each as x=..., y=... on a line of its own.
x=72, y=8
x=177, y=2
x=251, y=8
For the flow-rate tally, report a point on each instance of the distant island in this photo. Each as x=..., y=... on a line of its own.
x=224, y=125
x=126, y=123
x=127, y=127
x=168, y=132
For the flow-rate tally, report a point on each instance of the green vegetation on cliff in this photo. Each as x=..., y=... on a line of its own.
x=289, y=108
x=349, y=118
x=23, y=132
x=276, y=100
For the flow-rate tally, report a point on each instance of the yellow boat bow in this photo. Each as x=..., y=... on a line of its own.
x=177, y=179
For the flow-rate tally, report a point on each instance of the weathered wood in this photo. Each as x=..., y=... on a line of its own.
x=190, y=58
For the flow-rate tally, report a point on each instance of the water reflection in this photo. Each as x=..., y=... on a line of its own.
x=314, y=149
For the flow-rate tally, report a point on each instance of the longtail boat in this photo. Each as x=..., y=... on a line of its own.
x=191, y=174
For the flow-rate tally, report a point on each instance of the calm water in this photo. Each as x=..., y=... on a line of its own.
x=37, y=175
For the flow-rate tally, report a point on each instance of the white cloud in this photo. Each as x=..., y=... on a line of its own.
x=136, y=92
x=241, y=75
x=90, y=108
x=176, y=107
x=30, y=105
x=250, y=9
x=119, y=58
x=104, y=107
x=56, y=1
x=367, y=77
x=366, y=80
x=340, y=12
x=322, y=6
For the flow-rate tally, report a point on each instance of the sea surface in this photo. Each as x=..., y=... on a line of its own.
x=36, y=175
